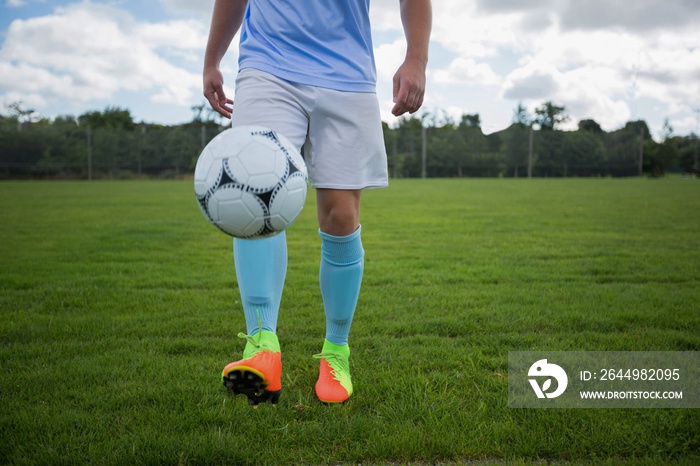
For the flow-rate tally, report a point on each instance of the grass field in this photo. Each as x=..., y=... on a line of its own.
x=119, y=310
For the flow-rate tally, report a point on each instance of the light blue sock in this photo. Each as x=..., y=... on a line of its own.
x=261, y=267
x=340, y=277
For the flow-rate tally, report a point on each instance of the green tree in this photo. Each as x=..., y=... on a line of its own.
x=590, y=125
x=550, y=153
x=111, y=117
x=515, y=148
x=686, y=148
x=472, y=146
x=408, y=146
x=659, y=158
x=470, y=121
x=549, y=116
x=24, y=116
x=521, y=117
x=584, y=154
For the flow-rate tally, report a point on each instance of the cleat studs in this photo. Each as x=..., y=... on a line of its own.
x=274, y=398
x=242, y=381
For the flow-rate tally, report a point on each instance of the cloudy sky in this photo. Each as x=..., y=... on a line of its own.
x=609, y=60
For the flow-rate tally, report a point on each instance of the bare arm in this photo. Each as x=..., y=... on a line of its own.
x=225, y=22
x=409, y=80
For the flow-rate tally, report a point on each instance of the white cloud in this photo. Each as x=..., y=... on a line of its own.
x=535, y=81
x=468, y=72
x=384, y=15
x=641, y=15
x=388, y=58
x=599, y=71
x=88, y=52
x=178, y=34
x=201, y=7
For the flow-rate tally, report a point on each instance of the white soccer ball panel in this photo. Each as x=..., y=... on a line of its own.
x=288, y=202
x=230, y=142
x=261, y=165
x=236, y=212
x=201, y=172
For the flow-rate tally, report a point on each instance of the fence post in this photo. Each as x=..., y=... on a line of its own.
x=696, y=165
x=641, y=152
x=529, y=152
x=89, y=152
x=424, y=152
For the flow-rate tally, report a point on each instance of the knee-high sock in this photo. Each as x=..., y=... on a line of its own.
x=261, y=267
x=340, y=277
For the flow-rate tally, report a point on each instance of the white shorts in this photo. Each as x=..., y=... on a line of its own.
x=340, y=132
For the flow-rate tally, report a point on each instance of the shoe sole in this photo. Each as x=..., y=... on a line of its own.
x=332, y=402
x=242, y=380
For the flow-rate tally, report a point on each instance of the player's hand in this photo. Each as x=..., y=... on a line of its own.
x=214, y=92
x=409, y=87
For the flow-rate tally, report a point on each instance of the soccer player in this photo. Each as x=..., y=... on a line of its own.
x=307, y=71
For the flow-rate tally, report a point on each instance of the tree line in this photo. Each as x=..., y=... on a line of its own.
x=110, y=144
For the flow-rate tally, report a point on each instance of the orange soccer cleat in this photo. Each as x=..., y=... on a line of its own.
x=334, y=384
x=259, y=374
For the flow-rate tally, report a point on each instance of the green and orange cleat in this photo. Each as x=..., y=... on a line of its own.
x=334, y=383
x=258, y=375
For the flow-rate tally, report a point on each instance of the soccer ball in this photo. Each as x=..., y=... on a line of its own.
x=250, y=182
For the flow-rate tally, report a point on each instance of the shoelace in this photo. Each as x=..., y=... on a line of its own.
x=334, y=360
x=251, y=339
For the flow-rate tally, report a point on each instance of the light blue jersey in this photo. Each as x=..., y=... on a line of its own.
x=323, y=43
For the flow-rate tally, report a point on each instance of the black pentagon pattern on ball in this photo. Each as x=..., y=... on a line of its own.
x=226, y=180
x=222, y=180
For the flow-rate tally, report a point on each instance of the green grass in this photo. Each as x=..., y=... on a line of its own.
x=119, y=310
